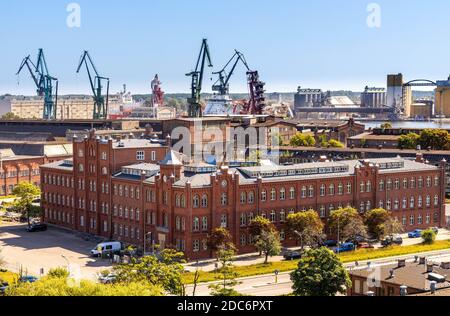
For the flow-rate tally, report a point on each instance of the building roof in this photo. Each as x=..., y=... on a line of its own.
x=371, y=136
x=64, y=165
x=412, y=275
x=135, y=143
x=172, y=158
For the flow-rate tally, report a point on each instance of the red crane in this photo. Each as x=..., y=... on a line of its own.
x=157, y=93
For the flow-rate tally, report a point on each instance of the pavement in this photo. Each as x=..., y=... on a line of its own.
x=268, y=285
x=56, y=247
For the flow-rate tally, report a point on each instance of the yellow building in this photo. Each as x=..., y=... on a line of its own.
x=442, y=95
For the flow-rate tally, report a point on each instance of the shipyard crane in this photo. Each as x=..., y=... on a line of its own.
x=222, y=85
x=195, y=108
x=44, y=83
x=100, y=107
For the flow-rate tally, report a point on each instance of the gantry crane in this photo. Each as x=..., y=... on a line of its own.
x=44, y=83
x=195, y=108
x=222, y=85
x=100, y=108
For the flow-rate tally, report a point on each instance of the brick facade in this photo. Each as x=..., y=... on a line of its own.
x=109, y=192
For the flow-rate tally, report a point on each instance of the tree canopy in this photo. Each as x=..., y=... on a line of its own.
x=320, y=273
x=302, y=140
x=376, y=221
x=306, y=227
x=347, y=223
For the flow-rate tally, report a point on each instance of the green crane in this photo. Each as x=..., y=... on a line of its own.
x=195, y=107
x=100, y=107
x=222, y=85
x=44, y=83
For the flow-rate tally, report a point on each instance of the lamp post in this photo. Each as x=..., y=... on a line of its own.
x=67, y=261
x=301, y=237
x=145, y=241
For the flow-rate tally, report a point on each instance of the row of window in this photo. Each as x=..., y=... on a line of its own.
x=63, y=181
x=127, y=191
x=412, y=183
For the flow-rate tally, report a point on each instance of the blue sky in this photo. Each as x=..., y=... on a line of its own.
x=322, y=43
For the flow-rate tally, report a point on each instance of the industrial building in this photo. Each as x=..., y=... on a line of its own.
x=442, y=96
x=373, y=97
x=308, y=98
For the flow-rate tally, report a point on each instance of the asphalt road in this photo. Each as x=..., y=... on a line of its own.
x=45, y=250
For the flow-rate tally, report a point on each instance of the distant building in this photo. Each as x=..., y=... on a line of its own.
x=442, y=96
x=373, y=97
x=422, y=109
x=420, y=278
x=308, y=98
x=394, y=93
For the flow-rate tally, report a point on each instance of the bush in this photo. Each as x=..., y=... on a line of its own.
x=428, y=236
x=59, y=273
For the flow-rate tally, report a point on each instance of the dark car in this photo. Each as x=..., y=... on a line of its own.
x=392, y=240
x=3, y=287
x=330, y=243
x=292, y=255
x=37, y=227
x=28, y=279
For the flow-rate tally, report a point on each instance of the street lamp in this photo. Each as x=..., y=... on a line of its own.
x=67, y=261
x=301, y=237
x=145, y=241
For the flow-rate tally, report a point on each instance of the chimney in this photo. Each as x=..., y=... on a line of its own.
x=422, y=260
x=403, y=290
x=433, y=287
x=430, y=268
x=419, y=158
x=402, y=263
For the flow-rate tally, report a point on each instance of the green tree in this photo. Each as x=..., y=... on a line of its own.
x=335, y=144
x=376, y=221
x=10, y=116
x=219, y=239
x=269, y=244
x=26, y=192
x=393, y=227
x=347, y=223
x=302, y=140
x=259, y=225
x=435, y=139
x=386, y=125
x=323, y=140
x=226, y=275
x=306, y=227
x=58, y=273
x=320, y=273
x=428, y=236
x=409, y=141
x=164, y=269
x=49, y=286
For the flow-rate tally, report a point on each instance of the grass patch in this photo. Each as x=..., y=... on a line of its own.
x=9, y=277
x=359, y=255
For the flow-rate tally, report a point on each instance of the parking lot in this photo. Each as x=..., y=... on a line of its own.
x=46, y=250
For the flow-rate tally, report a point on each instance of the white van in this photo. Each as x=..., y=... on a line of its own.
x=107, y=247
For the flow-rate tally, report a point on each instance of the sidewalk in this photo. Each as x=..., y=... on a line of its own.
x=241, y=260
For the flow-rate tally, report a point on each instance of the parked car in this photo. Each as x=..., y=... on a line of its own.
x=28, y=279
x=292, y=255
x=392, y=240
x=415, y=234
x=108, y=279
x=330, y=243
x=113, y=247
x=365, y=245
x=3, y=287
x=37, y=227
x=346, y=247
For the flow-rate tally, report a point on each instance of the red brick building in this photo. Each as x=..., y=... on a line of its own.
x=142, y=193
x=24, y=168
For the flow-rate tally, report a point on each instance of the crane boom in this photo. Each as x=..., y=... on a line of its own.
x=222, y=85
x=195, y=108
x=44, y=83
x=100, y=108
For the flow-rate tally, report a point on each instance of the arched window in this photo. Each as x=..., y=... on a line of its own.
x=322, y=190
x=196, y=201
x=292, y=193
x=177, y=200
x=224, y=199
x=331, y=189
x=340, y=189
x=196, y=224
x=251, y=197
x=243, y=197
x=273, y=195
x=182, y=201
x=204, y=200
x=282, y=194
x=304, y=192
x=311, y=191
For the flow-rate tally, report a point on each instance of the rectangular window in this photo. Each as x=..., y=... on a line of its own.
x=140, y=155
